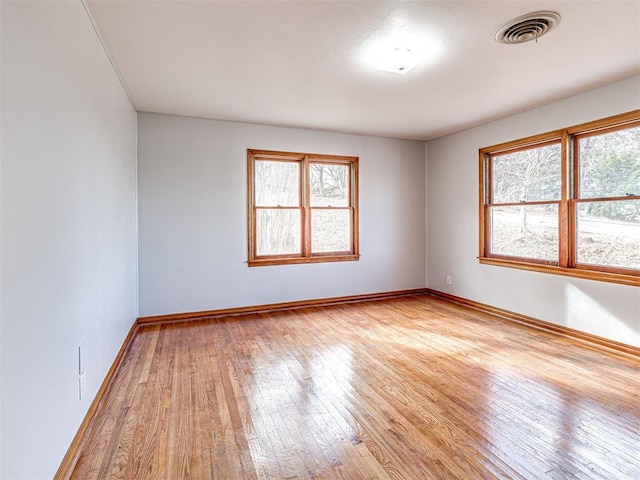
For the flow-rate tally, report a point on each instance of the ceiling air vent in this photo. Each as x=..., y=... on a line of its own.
x=527, y=27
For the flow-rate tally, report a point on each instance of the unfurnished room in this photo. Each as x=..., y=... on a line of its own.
x=309, y=239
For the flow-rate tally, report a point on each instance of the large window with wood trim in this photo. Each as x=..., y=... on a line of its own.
x=303, y=208
x=565, y=202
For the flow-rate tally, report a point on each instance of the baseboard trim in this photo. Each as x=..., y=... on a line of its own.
x=320, y=302
x=72, y=456
x=583, y=337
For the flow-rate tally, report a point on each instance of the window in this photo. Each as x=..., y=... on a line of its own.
x=565, y=202
x=303, y=208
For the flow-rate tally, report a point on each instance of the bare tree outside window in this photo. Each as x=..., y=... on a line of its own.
x=520, y=228
x=330, y=219
x=277, y=187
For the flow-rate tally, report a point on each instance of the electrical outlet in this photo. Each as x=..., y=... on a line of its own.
x=83, y=384
x=448, y=279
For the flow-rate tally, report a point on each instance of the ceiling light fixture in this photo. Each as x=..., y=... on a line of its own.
x=398, y=60
x=400, y=44
x=399, y=54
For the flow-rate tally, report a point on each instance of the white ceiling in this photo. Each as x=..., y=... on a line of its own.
x=303, y=63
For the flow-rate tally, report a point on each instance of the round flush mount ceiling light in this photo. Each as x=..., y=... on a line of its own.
x=527, y=28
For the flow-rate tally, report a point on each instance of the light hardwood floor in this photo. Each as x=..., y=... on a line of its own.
x=410, y=388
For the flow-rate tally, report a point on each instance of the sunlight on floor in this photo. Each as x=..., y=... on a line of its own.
x=532, y=422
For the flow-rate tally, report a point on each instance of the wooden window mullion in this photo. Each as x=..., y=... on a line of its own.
x=306, y=206
x=489, y=200
x=564, y=224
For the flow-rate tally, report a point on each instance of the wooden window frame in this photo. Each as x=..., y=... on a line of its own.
x=305, y=160
x=567, y=205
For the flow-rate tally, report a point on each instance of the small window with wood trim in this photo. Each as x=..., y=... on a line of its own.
x=565, y=202
x=303, y=208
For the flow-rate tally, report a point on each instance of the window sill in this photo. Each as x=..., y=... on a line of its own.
x=263, y=262
x=602, y=276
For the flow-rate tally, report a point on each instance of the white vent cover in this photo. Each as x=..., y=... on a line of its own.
x=527, y=27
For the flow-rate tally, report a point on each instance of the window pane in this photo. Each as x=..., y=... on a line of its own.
x=277, y=184
x=330, y=230
x=527, y=231
x=610, y=164
x=608, y=233
x=527, y=176
x=278, y=231
x=329, y=185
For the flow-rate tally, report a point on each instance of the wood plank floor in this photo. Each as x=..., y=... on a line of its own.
x=411, y=388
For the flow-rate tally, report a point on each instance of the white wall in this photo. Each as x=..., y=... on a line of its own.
x=608, y=310
x=193, y=216
x=68, y=216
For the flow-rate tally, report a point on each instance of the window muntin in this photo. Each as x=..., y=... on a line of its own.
x=577, y=192
x=302, y=208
